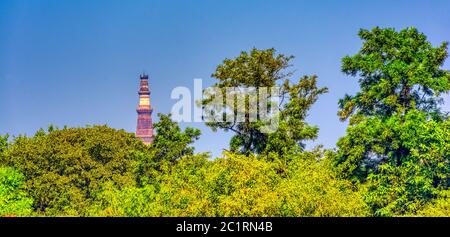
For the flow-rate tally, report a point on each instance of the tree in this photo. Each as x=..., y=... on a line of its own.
x=63, y=168
x=398, y=71
x=404, y=183
x=14, y=201
x=171, y=143
x=396, y=140
x=260, y=69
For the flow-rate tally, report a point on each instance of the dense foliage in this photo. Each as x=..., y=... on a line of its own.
x=79, y=184
x=398, y=71
x=63, y=168
x=398, y=139
x=392, y=161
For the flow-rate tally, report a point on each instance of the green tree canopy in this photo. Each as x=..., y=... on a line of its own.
x=404, y=159
x=171, y=143
x=397, y=71
x=266, y=69
x=397, y=141
x=62, y=168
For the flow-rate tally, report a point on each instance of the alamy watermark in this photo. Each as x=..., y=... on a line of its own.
x=232, y=105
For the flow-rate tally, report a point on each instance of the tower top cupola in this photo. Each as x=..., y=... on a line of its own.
x=144, y=76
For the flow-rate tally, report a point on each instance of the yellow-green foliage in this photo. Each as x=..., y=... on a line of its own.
x=312, y=189
x=236, y=185
x=440, y=207
x=243, y=186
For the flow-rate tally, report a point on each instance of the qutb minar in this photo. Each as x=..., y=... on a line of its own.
x=144, y=130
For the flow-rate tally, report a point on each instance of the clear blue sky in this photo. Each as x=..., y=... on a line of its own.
x=77, y=62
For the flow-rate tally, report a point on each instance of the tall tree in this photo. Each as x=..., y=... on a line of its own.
x=395, y=141
x=260, y=69
x=397, y=71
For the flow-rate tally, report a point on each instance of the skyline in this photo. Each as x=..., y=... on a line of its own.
x=78, y=63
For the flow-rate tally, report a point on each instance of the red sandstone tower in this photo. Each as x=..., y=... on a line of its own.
x=144, y=130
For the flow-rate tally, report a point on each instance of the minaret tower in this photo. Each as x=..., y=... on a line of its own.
x=144, y=130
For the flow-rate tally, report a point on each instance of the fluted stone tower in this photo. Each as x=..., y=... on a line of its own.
x=144, y=130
